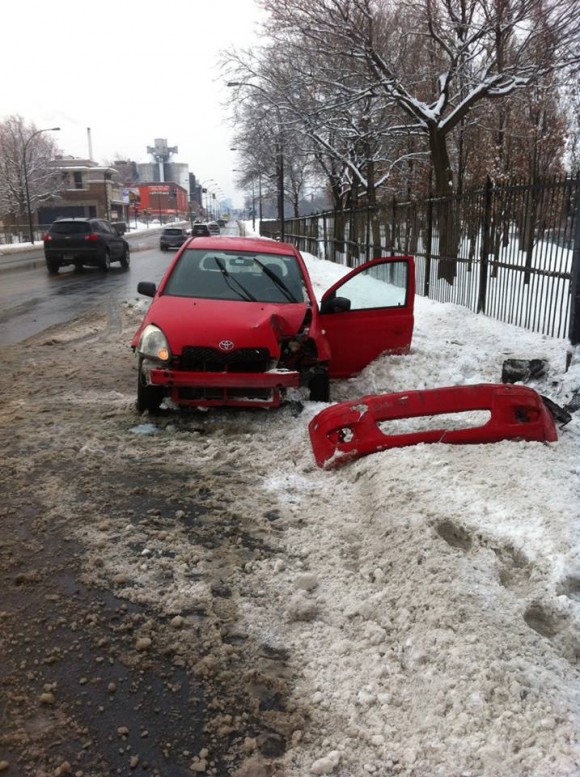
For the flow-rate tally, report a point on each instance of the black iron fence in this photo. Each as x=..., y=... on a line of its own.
x=511, y=252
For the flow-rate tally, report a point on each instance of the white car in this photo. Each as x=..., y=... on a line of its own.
x=213, y=227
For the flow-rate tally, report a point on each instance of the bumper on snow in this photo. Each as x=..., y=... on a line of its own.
x=350, y=430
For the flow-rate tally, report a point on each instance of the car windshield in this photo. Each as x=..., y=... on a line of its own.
x=228, y=275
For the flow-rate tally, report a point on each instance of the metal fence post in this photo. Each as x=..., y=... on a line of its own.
x=394, y=228
x=485, y=246
x=574, y=332
x=428, y=246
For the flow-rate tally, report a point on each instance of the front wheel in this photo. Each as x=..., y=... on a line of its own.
x=125, y=259
x=148, y=397
x=319, y=387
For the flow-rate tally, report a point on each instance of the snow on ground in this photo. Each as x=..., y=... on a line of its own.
x=427, y=598
x=440, y=632
x=429, y=595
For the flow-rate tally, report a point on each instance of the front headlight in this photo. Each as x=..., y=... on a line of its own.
x=153, y=344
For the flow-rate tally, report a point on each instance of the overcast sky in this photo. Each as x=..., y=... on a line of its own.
x=130, y=71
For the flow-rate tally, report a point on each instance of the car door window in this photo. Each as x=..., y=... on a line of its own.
x=368, y=313
x=378, y=286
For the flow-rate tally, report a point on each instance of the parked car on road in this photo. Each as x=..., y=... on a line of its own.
x=235, y=321
x=172, y=237
x=84, y=242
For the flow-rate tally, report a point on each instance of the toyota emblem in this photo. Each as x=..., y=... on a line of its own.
x=226, y=345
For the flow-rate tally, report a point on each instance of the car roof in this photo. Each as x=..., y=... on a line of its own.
x=252, y=244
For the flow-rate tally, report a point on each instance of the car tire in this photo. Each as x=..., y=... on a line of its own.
x=52, y=267
x=163, y=248
x=319, y=387
x=125, y=259
x=148, y=397
x=106, y=262
x=78, y=267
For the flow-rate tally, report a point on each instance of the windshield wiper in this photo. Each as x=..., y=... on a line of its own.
x=242, y=291
x=278, y=281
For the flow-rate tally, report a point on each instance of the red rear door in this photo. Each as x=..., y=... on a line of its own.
x=369, y=312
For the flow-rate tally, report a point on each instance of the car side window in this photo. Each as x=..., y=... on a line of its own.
x=380, y=286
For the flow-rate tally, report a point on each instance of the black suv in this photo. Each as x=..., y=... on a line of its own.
x=172, y=237
x=92, y=242
x=200, y=230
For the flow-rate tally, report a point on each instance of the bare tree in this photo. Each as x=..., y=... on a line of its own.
x=16, y=138
x=346, y=137
x=450, y=57
x=268, y=139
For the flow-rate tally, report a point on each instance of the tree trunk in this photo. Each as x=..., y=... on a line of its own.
x=353, y=233
x=443, y=177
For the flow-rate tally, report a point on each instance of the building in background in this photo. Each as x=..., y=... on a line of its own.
x=172, y=172
x=88, y=190
x=161, y=169
x=160, y=190
x=163, y=202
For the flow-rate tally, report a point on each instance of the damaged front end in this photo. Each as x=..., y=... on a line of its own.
x=268, y=360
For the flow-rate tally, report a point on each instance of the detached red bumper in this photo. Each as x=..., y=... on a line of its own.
x=350, y=430
x=243, y=389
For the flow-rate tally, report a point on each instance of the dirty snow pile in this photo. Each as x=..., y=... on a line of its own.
x=429, y=596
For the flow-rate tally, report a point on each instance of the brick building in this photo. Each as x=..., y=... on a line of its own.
x=88, y=190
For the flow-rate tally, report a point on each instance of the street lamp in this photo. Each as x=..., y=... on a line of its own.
x=218, y=205
x=279, y=154
x=253, y=207
x=206, y=192
x=25, y=167
x=253, y=191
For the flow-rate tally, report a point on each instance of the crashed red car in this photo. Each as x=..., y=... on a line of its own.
x=235, y=322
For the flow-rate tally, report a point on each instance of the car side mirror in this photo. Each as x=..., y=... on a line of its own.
x=147, y=288
x=335, y=305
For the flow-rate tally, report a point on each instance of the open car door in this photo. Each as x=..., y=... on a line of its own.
x=369, y=312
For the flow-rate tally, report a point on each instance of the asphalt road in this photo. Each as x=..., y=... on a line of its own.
x=31, y=300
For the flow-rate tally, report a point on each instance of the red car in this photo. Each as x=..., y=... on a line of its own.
x=235, y=322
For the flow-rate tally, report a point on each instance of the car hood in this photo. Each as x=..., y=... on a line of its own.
x=207, y=323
